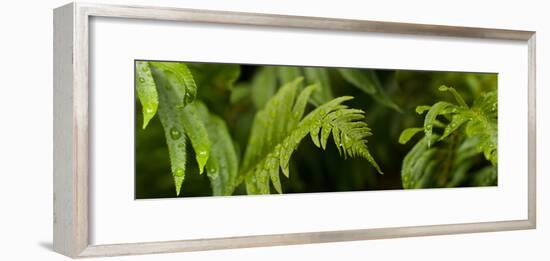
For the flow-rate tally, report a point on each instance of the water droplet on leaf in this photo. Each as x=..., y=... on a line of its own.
x=188, y=98
x=178, y=172
x=175, y=133
x=202, y=157
x=141, y=79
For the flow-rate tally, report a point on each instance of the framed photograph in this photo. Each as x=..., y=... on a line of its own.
x=185, y=130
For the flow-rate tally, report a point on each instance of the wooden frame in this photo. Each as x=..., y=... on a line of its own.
x=71, y=43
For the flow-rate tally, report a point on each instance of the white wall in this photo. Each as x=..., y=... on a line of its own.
x=26, y=130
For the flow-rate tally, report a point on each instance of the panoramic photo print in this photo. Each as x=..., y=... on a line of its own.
x=211, y=129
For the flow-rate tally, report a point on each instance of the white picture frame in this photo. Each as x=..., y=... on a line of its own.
x=72, y=208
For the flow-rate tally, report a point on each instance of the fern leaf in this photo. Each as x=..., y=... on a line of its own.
x=288, y=73
x=450, y=164
x=180, y=78
x=197, y=134
x=320, y=77
x=174, y=130
x=146, y=91
x=271, y=148
x=457, y=96
x=358, y=79
x=368, y=82
x=222, y=165
x=407, y=134
x=264, y=85
x=484, y=125
x=422, y=108
x=179, y=121
x=466, y=132
x=457, y=121
x=414, y=171
x=431, y=116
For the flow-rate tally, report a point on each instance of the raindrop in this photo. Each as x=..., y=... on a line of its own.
x=149, y=110
x=212, y=170
x=141, y=79
x=175, y=133
x=178, y=172
x=188, y=98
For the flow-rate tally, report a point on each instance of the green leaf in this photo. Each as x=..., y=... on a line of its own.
x=301, y=103
x=359, y=79
x=407, y=134
x=456, y=121
x=381, y=96
x=146, y=91
x=264, y=85
x=415, y=168
x=197, y=134
x=170, y=117
x=455, y=160
x=320, y=77
x=457, y=96
x=180, y=77
x=422, y=108
x=288, y=73
x=368, y=82
x=431, y=116
x=222, y=165
x=271, y=147
x=483, y=125
x=178, y=121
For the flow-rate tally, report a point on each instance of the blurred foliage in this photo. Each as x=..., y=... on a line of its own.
x=228, y=97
